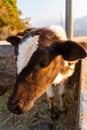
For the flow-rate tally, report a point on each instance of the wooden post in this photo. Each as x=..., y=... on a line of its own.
x=69, y=18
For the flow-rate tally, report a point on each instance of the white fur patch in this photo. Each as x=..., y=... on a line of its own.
x=50, y=92
x=25, y=52
x=59, y=31
x=60, y=77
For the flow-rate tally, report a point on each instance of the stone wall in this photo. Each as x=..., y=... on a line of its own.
x=7, y=66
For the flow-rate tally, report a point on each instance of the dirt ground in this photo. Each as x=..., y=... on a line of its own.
x=39, y=117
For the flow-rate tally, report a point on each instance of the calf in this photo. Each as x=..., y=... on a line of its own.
x=44, y=56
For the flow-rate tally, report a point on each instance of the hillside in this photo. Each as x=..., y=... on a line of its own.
x=80, y=26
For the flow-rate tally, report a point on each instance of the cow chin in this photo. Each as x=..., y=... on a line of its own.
x=27, y=108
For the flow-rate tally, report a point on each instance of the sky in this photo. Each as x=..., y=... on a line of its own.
x=41, y=10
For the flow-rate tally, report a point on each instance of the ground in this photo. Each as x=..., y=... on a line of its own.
x=39, y=117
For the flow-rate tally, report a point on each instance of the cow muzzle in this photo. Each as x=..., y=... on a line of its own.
x=19, y=106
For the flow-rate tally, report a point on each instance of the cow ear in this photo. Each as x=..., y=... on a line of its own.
x=69, y=50
x=14, y=40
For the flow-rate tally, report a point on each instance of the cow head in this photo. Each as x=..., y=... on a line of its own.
x=37, y=68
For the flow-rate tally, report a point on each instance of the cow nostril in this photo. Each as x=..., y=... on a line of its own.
x=17, y=109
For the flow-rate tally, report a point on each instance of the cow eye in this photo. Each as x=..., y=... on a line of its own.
x=43, y=63
x=40, y=65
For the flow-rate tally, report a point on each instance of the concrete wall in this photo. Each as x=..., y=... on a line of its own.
x=7, y=66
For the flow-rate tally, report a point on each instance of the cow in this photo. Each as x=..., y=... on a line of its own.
x=44, y=57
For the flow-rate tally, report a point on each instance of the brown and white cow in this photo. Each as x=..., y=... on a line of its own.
x=43, y=58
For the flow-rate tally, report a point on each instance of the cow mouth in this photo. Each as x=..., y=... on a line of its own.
x=18, y=107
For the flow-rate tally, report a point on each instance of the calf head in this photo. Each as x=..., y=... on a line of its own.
x=37, y=68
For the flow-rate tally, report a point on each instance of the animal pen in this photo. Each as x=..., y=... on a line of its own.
x=39, y=118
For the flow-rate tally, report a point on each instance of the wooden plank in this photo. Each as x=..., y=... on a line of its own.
x=82, y=110
x=83, y=97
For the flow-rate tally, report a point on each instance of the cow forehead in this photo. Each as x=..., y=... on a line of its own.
x=25, y=51
x=30, y=44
